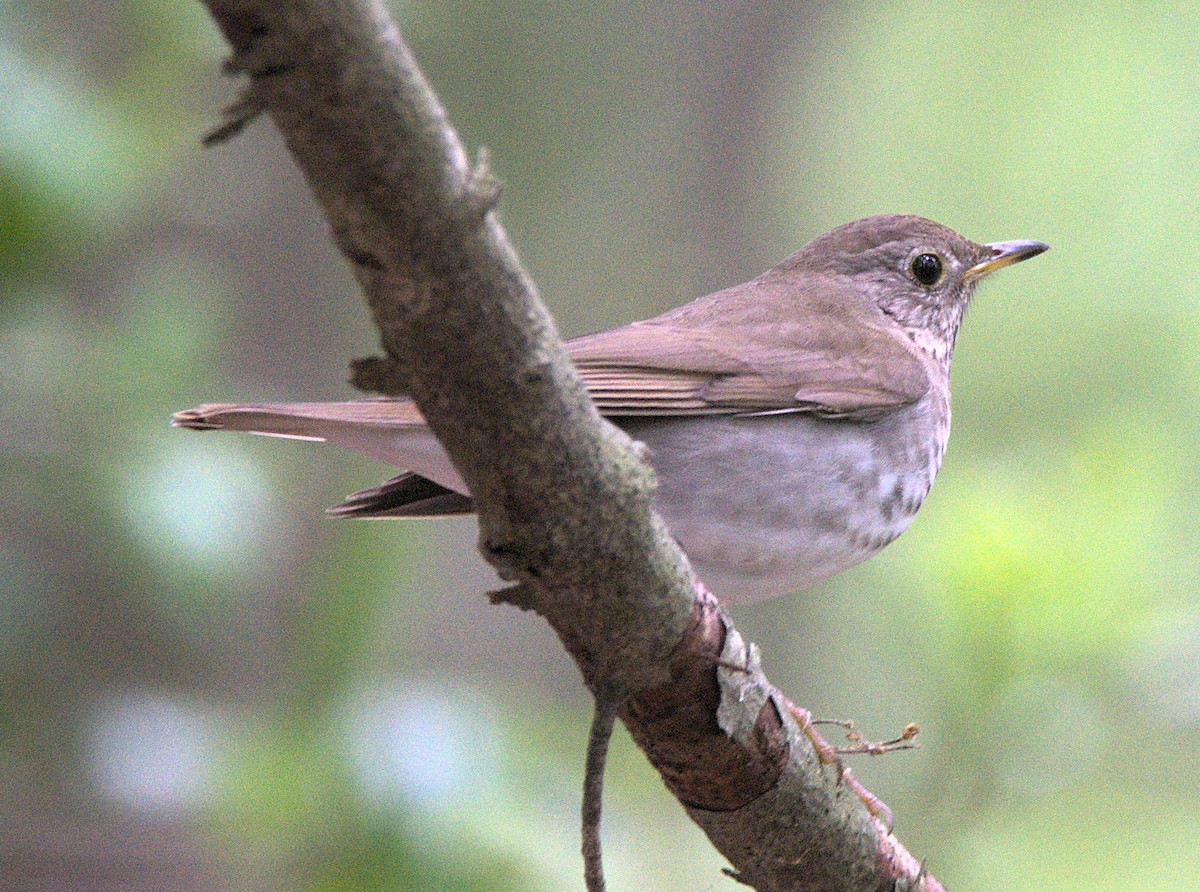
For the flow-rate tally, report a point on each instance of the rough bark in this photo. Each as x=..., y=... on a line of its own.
x=563, y=496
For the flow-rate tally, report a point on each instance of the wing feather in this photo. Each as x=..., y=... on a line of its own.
x=735, y=352
x=683, y=363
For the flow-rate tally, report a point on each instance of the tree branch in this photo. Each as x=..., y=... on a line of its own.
x=563, y=496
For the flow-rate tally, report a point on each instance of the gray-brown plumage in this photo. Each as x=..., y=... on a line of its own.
x=795, y=422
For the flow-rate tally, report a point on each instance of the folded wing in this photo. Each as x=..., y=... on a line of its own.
x=709, y=357
x=681, y=364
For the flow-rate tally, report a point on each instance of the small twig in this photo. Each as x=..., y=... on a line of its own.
x=607, y=705
x=520, y=595
x=829, y=755
x=859, y=746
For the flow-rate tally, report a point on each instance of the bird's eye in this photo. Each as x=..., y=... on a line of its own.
x=926, y=268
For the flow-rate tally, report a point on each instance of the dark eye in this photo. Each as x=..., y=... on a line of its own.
x=926, y=268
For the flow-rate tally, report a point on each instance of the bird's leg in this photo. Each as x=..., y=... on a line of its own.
x=829, y=755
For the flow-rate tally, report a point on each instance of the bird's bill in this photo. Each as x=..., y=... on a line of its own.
x=1004, y=254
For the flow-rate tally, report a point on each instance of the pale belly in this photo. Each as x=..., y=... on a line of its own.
x=767, y=505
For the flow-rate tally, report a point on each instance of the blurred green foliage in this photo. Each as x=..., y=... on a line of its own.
x=185, y=644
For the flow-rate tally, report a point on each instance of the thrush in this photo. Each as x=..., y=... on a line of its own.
x=795, y=422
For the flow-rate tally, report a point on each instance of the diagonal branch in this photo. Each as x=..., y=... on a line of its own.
x=563, y=496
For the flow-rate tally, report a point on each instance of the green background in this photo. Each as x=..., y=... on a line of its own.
x=205, y=684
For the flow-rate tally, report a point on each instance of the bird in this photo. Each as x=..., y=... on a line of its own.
x=795, y=422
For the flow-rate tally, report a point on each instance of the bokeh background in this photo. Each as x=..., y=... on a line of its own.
x=205, y=684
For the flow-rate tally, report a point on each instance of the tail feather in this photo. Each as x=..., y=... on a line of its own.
x=408, y=495
x=241, y=418
x=391, y=430
x=301, y=420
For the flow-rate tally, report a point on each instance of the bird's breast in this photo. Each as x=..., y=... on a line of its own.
x=767, y=505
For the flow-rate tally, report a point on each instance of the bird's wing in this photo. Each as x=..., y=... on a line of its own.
x=759, y=348
x=664, y=367
x=654, y=369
